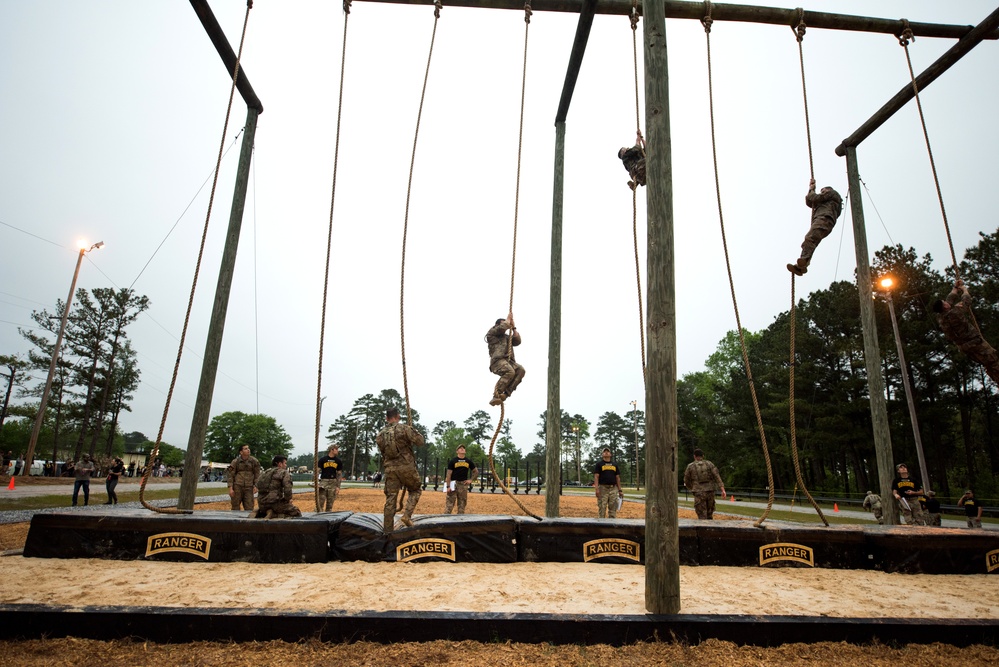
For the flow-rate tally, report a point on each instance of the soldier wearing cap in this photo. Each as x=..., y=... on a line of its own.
x=826, y=206
x=907, y=491
x=872, y=502
x=972, y=510
x=501, y=358
x=932, y=509
x=702, y=478
x=396, y=442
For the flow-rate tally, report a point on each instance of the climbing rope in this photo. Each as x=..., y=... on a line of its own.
x=513, y=261
x=405, y=226
x=634, y=190
x=190, y=302
x=794, y=437
x=707, y=21
x=903, y=39
x=329, y=250
x=799, y=33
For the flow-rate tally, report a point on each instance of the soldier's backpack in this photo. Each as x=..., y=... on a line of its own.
x=264, y=482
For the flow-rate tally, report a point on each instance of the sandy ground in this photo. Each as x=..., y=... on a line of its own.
x=564, y=588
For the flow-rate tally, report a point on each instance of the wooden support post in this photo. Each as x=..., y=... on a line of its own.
x=872, y=353
x=662, y=543
x=553, y=425
x=213, y=346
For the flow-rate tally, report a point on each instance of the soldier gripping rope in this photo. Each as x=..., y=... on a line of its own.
x=274, y=492
x=826, y=207
x=958, y=325
x=396, y=442
x=501, y=358
x=242, y=476
x=634, y=162
x=702, y=478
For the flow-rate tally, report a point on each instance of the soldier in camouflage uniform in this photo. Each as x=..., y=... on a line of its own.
x=501, y=359
x=958, y=324
x=634, y=161
x=702, y=478
x=275, y=491
x=872, y=502
x=242, y=476
x=826, y=207
x=396, y=442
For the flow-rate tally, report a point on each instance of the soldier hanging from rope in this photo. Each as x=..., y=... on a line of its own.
x=501, y=358
x=634, y=161
x=959, y=326
x=826, y=207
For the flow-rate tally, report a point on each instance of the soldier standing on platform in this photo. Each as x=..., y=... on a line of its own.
x=396, y=442
x=461, y=472
x=242, y=476
x=607, y=484
x=702, y=478
x=330, y=477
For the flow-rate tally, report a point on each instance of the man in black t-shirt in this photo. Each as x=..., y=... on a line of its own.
x=907, y=491
x=972, y=510
x=932, y=508
x=607, y=483
x=330, y=476
x=460, y=474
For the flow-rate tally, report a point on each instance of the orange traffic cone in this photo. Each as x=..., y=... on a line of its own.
x=731, y=499
x=835, y=507
x=11, y=485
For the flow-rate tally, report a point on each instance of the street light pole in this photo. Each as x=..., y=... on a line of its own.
x=579, y=472
x=634, y=418
x=887, y=283
x=37, y=428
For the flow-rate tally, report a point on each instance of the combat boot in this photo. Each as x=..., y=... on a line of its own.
x=269, y=515
x=797, y=269
x=406, y=521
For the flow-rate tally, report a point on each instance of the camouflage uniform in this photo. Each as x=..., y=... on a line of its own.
x=634, y=161
x=931, y=507
x=276, y=497
x=510, y=372
x=396, y=442
x=702, y=478
x=607, y=501
x=242, y=476
x=826, y=207
x=958, y=325
x=872, y=502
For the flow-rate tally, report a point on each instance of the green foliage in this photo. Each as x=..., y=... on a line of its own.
x=228, y=431
x=167, y=454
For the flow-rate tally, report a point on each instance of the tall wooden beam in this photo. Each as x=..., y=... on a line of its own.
x=724, y=12
x=575, y=58
x=872, y=352
x=942, y=64
x=553, y=423
x=214, y=32
x=662, y=541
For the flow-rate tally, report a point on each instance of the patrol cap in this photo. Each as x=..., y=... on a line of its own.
x=901, y=465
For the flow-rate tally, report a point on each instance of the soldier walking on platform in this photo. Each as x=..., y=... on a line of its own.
x=703, y=480
x=275, y=489
x=396, y=442
x=242, y=476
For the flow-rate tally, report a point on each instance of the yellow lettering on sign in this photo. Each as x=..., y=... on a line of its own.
x=786, y=551
x=992, y=560
x=189, y=543
x=425, y=548
x=609, y=546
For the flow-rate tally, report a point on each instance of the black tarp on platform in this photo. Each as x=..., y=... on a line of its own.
x=465, y=538
x=569, y=540
x=215, y=536
x=740, y=543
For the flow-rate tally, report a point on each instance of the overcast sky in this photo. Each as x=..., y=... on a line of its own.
x=112, y=116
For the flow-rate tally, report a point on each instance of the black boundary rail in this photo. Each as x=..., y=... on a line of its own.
x=176, y=625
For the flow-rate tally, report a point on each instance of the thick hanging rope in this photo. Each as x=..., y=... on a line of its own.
x=903, y=40
x=799, y=33
x=707, y=21
x=405, y=225
x=329, y=250
x=640, y=141
x=794, y=436
x=405, y=231
x=513, y=261
x=190, y=302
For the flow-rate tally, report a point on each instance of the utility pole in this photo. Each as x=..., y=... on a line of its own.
x=634, y=418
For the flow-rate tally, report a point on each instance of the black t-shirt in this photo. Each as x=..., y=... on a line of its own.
x=903, y=485
x=461, y=469
x=330, y=467
x=608, y=472
x=970, y=507
x=116, y=471
x=932, y=505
